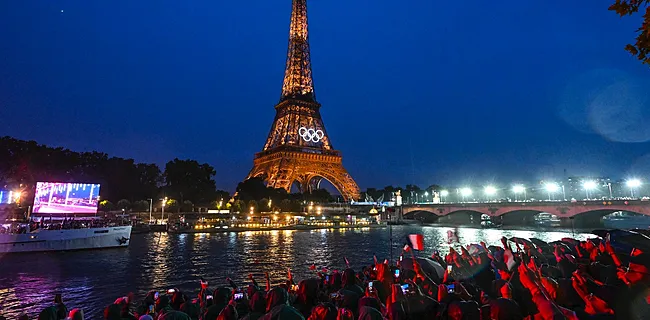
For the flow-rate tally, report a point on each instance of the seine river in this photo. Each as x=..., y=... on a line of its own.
x=93, y=279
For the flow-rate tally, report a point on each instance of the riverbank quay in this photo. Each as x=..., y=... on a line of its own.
x=282, y=228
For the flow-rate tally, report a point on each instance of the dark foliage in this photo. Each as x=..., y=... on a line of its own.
x=641, y=48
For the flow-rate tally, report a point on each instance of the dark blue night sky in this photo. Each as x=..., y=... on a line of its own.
x=447, y=92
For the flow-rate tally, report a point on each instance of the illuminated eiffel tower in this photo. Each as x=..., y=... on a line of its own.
x=298, y=148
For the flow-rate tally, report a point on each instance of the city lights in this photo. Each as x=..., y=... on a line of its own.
x=443, y=194
x=633, y=184
x=589, y=185
x=465, y=192
x=551, y=188
x=518, y=189
x=490, y=190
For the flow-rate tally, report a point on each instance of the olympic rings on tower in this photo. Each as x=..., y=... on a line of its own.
x=311, y=134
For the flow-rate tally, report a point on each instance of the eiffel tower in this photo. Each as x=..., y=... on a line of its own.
x=298, y=148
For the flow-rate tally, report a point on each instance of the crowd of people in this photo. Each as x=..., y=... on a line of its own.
x=519, y=279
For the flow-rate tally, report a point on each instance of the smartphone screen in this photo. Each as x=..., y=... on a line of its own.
x=327, y=278
x=449, y=267
x=151, y=308
x=370, y=284
x=208, y=297
x=334, y=295
x=405, y=288
x=450, y=288
x=155, y=295
x=397, y=273
x=171, y=291
x=239, y=296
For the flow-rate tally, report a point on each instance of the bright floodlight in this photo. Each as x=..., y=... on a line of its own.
x=633, y=183
x=518, y=189
x=466, y=192
x=444, y=193
x=490, y=190
x=589, y=185
x=426, y=193
x=552, y=187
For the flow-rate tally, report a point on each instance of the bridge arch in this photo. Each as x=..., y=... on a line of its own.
x=422, y=215
x=519, y=216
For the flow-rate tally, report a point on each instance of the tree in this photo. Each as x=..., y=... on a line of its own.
x=641, y=49
x=252, y=204
x=239, y=206
x=190, y=180
x=285, y=205
x=141, y=205
x=264, y=205
x=187, y=206
x=320, y=196
x=26, y=162
x=255, y=189
x=105, y=205
x=123, y=204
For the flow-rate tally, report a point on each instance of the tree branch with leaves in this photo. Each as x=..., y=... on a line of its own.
x=640, y=49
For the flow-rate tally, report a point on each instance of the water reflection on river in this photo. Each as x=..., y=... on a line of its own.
x=93, y=279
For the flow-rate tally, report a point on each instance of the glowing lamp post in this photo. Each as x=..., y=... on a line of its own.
x=589, y=185
x=551, y=188
x=633, y=184
x=443, y=194
x=162, y=212
x=490, y=191
x=517, y=190
x=465, y=192
x=426, y=196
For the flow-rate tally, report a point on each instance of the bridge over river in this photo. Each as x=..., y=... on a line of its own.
x=571, y=213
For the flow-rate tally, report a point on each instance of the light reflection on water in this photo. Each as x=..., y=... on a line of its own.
x=93, y=279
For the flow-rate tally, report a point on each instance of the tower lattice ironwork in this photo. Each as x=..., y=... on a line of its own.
x=298, y=148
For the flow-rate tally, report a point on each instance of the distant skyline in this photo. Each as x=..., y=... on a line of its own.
x=412, y=93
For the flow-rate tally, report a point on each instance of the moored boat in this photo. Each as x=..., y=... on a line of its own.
x=65, y=239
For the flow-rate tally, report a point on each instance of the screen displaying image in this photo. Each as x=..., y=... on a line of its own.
x=56, y=197
x=9, y=197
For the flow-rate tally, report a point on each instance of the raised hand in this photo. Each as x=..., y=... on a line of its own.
x=527, y=280
x=593, y=304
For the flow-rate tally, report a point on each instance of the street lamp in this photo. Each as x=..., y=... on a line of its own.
x=443, y=194
x=426, y=196
x=589, y=185
x=162, y=213
x=517, y=190
x=150, y=209
x=633, y=184
x=551, y=187
x=465, y=192
x=490, y=191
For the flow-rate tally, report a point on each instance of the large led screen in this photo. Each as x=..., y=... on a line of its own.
x=55, y=197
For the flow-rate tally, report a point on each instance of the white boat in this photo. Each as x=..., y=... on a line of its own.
x=65, y=239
